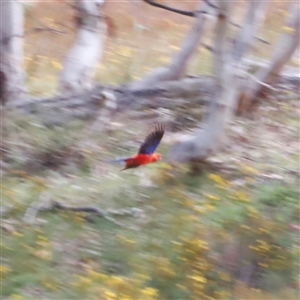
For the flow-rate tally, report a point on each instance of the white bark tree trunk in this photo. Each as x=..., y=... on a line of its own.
x=175, y=70
x=226, y=66
x=12, y=81
x=284, y=50
x=80, y=64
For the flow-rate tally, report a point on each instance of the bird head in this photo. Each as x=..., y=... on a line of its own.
x=156, y=156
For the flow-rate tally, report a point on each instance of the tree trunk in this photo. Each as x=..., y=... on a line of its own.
x=80, y=64
x=12, y=81
x=176, y=69
x=284, y=50
x=226, y=66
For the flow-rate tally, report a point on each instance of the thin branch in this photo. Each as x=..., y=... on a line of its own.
x=40, y=27
x=194, y=14
x=211, y=4
x=44, y=28
x=178, y=11
x=257, y=37
x=6, y=40
x=45, y=204
x=38, y=206
x=208, y=47
x=258, y=81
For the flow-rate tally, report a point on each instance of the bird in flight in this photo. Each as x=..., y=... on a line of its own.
x=146, y=154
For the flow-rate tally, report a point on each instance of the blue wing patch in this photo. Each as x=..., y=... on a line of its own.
x=152, y=140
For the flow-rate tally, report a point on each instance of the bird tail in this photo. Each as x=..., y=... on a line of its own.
x=117, y=160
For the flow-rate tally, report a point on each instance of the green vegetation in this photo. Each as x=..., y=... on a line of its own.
x=219, y=234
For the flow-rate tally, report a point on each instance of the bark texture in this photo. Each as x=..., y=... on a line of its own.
x=79, y=65
x=284, y=50
x=12, y=81
x=226, y=66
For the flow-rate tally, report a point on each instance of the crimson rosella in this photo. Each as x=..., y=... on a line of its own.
x=146, y=153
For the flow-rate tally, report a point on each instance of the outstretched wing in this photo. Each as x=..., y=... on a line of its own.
x=152, y=140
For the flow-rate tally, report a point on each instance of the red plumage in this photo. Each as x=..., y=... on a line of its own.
x=146, y=153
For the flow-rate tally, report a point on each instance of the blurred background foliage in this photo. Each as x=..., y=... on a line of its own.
x=217, y=234
x=157, y=35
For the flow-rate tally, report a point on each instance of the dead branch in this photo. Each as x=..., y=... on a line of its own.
x=178, y=11
x=176, y=68
x=43, y=28
x=194, y=14
x=257, y=37
x=38, y=206
x=168, y=95
x=6, y=40
x=87, y=104
x=88, y=209
x=268, y=86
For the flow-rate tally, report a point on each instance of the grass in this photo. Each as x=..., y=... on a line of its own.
x=191, y=236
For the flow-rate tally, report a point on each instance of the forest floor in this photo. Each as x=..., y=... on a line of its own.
x=228, y=232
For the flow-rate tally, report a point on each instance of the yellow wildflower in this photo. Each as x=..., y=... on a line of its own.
x=109, y=295
x=289, y=29
x=87, y=151
x=263, y=265
x=96, y=275
x=43, y=254
x=198, y=278
x=174, y=47
x=210, y=207
x=199, y=209
x=116, y=280
x=249, y=169
x=241, y=196
x=9, y=193
x=245, y=227
x=217, y=179
x=15, y=296
x=253, y=247
x=166, y=166
x=149, y=292
x=213, y=197
x=17, y=233
x=182, y=287
x=225, y=276
x=144, y=277
x=202, y=244
x=283, y=12
x=164, y=59
x=56, y=65
x=263, y=230
x=4, y=269
x=187, y=202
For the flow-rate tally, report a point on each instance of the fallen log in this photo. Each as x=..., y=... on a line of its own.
x=170, y=95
